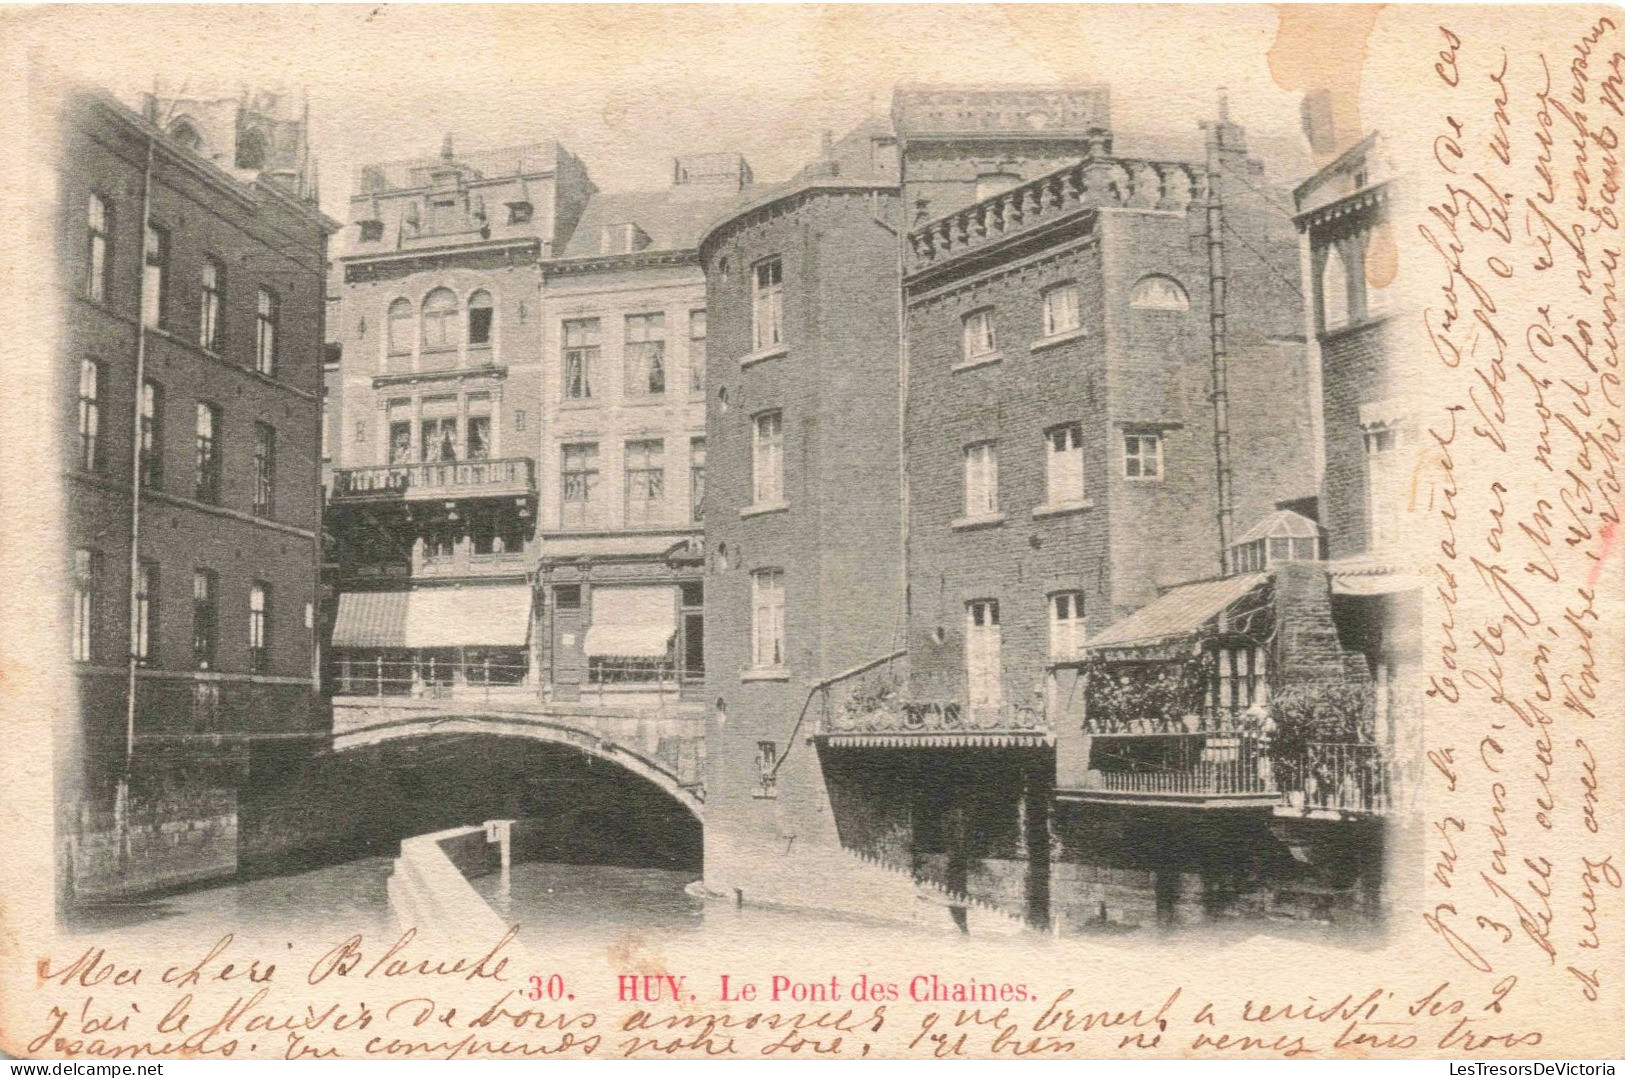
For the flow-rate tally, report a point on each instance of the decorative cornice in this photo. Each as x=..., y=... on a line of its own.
x=561, y=267
x=1363, y=199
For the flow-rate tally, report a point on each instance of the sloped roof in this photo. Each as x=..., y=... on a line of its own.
x=1283, y=523
x=674, y=218
x=1179, y=612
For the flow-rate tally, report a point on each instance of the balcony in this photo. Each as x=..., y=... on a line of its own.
x=877, y=712
x=1331, y=780
x=1179, y=770
x=509, y=477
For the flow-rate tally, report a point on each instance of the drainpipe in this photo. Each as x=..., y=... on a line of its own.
x=122, y=797
x=1217, y=287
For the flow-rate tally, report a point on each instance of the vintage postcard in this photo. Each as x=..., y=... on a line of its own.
x=783, y=531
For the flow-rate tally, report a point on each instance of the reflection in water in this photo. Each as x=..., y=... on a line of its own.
x=591, y=902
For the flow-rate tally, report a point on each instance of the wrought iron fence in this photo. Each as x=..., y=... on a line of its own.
x=1346, y=777
x=1193, y=764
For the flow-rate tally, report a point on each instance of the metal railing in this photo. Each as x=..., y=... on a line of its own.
x=1184, y=764
x=501, y=476
x=1344, y=777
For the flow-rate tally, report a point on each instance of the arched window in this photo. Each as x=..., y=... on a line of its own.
x=251, y=150
x=1334, y=291
x=480, y=314
x=439, y=320
x=184, y=133
x=400, y=327
x=1159, y=293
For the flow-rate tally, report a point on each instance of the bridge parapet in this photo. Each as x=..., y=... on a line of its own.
x=664, y=744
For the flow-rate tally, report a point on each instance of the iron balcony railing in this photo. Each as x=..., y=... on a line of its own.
x=1339, y=777
x=1187, y=765
x=438, y=479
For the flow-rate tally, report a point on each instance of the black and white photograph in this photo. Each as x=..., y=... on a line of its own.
x=1046, y=506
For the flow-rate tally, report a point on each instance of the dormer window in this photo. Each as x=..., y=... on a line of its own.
x=621, y=239
x=371, y=231
x=520, y=213
x=184, y=133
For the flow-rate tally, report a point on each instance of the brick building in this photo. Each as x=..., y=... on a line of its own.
x=191, y=255
x=434, y=488
x=1371, y=440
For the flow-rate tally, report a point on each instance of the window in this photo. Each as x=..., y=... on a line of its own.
x=981, y=480
x=1142, y=456
x=90, y=415
x=204, y=618
x=251, y=151
x=209, y=304
x=645, y=483
x=437, y=427
x=767, y=619
x=1334, y=291
x=983, y=675
x=567, y=597
x=496, y=530
x=440, y=542
x=1241, y=679
x=1384, y=490
x=1159, y=293
x=155, y=276
x=645, y=354
x=208, y=453
x=264, y=469
x=144, y=618
x=579, y=482
x=767, y=306
x=87, y=587
x=152, y=435
x=480, y=313
x=1066, y=631
x=372, y=231
x=400, y=442
x=268, y=312
x=479, y=426
x=400, y=328
x=979, y=339
x=440, y=321
x=259, y=627
x=1061, y=310
x=520, y=212
x=439, y=441
x=99, y=248
x=580, y=357
x=327, y=427
x=696, y=479
x=1063, y=465
x=767, y=766
x=767, y=459
x=696, y=351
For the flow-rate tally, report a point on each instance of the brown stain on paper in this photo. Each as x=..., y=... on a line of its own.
x=1322, y=49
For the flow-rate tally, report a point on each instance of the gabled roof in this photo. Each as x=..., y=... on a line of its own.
x=674, y=218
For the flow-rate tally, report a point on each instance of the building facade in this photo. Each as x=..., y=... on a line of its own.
x=434, y=488
x=191, y=255
x=623, y=445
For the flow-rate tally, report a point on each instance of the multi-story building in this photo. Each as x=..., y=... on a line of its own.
x=434, y=488
x=1370, y=437
x=191, y=255
x=623, y=442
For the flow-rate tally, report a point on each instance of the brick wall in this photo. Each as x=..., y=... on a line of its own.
x=1353, y=367
x=838, y=543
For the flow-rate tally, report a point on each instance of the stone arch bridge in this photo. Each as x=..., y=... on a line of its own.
x=659, y=740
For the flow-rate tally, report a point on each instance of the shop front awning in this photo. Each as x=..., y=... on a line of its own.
x=631, y=622
x=1174, y=619
x=492, y=616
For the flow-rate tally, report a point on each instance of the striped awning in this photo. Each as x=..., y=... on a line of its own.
x=1178, y=614
x=482, y=616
